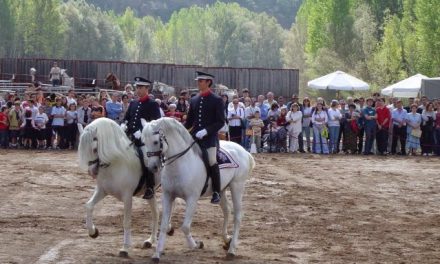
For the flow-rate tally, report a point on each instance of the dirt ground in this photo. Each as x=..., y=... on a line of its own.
x=298, y=209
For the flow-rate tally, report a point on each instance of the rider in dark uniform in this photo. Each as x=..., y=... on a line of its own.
x=144, y=108
x=205, y=118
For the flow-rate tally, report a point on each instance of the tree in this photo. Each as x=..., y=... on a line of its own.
x=6, y=28
x=428, y=34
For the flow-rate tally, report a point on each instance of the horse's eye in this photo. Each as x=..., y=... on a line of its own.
x=156, y=142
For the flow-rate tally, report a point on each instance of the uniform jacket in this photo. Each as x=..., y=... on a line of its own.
x=143, y=108
x=206, y=111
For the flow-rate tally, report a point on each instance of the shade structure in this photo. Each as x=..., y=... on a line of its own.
x=340, y=81
x=409, y=87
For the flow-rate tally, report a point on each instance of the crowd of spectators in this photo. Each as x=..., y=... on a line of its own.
x=271, y=124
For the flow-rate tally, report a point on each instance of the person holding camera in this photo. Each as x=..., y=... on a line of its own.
x=236, y=117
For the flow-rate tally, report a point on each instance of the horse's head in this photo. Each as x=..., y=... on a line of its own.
x=88, y=150
x=155, y=143
x=101, y=143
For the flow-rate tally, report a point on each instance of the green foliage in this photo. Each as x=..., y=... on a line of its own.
x=378, y=41
x=283, y=10
x=428, y=32
x=220, y=35
x=6, y=28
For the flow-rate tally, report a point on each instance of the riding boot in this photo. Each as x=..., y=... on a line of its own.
x=215, y=177
x=149, y=192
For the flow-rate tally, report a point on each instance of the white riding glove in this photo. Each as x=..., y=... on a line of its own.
x=137, y=134
x=201, y=134
x=124, y=127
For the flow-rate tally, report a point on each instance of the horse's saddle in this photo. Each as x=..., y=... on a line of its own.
x=225, y=160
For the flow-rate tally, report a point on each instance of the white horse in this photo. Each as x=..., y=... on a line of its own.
x=110, y=158
x=66, y=80
x=171, y=150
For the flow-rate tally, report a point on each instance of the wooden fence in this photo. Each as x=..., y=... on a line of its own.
x=258, y=80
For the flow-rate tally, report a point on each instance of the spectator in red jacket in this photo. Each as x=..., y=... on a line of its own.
x=383, y=126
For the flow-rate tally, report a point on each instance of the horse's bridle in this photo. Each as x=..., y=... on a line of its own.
x=159, y=153
x=97, y=161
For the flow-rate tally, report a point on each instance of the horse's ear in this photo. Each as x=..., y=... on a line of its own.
x=143, y=122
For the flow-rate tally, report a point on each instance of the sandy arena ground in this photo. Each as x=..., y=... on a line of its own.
x=298, y=209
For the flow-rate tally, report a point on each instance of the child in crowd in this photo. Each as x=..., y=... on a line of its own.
x=256, y=125
x=173, y=113
x=41, y=120
x=28, y=127
x=97, y=112
x=71, y=125
x=15, y=117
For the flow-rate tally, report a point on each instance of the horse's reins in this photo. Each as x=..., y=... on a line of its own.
x=169, y=159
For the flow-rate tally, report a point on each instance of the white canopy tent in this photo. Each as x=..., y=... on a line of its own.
x=340, y=81
x=409, y=87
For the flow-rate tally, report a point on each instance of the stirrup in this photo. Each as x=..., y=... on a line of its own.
x=215, y=198
x=149, y=194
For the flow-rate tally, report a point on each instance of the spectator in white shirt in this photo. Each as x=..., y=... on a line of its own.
x=84, y=113
x=294, y=119
x=41, y=120
x=58, y=113
x=334, y=116
x=71, y=97
x=307, y=119
x=270, y=100
x=235, y=117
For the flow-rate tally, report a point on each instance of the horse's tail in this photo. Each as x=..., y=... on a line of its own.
x=251, y=162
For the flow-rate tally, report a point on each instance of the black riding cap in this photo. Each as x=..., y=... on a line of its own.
x=139, y=81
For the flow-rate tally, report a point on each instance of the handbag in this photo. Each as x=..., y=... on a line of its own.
x=324, y=132
x=354, y=126
x=416, y=132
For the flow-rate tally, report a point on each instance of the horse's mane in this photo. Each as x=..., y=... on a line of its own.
x=113, y=144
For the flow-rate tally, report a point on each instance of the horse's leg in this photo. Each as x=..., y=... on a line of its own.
x=191, y=205
x=97, y=196
x=123, y=252
x=154, y=223
x=166, y=211
x=237, y=190
x=226, y=211
x=170, y=230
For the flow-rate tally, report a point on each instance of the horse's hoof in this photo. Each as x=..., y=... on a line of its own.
x=200, y=245
x=155, y=259
x=227, y=245
x=96, y=233
x=147, y=244
x=230, y=256
x=123, y=254
x=171, y=232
